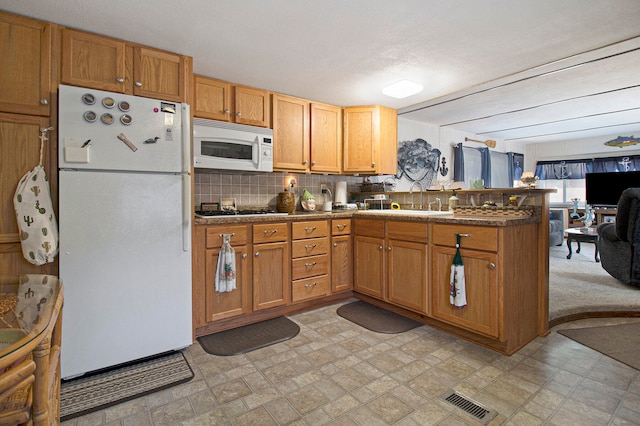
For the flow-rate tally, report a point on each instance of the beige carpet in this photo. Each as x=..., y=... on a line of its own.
x=619, y=342
x=579, y=285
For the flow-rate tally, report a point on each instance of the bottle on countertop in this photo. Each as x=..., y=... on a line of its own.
x=453, y=201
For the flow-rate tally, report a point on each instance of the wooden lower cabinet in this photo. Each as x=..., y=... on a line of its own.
x=407, y=274
x=481, y=283
x=222, y=305
x=271, y=282
x=369, y=266
x=341, y=263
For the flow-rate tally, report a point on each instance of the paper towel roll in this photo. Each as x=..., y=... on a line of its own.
x=341, y=192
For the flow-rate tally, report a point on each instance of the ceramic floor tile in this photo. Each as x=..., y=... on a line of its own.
x=338, y=373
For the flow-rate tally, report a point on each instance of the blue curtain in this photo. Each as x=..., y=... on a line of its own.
x=516, y=166
x=462, y=175
x=565, y=169
x=628, y=163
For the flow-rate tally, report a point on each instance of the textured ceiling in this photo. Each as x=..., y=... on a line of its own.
x=504, y=69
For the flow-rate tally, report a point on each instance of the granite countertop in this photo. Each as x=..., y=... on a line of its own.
x=402, y=215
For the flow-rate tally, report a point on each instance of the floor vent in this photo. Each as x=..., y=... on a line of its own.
x=480, y=412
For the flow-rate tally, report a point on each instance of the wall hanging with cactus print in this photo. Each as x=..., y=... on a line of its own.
x=34, y=211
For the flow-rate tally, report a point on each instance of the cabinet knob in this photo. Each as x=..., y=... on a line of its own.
x=238, y=113
x=120, y=80
x=389, y=248
x=313, y=163
x=244, y=255
x=380, y=247
x=226, y=111
x=335, y=244
x=373, y=164
x=257, y=253
x=138, y=84
x=305, y=162
x=44, y=101
x=492, y=265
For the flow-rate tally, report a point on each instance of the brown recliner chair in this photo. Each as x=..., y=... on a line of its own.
x=619, y=242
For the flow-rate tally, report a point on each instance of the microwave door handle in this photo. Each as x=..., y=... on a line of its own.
x=258, y=154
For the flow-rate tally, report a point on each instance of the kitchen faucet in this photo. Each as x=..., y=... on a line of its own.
x=439, y=204
x=411, y=192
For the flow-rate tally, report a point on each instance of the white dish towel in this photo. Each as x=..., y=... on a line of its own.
x=225, y=279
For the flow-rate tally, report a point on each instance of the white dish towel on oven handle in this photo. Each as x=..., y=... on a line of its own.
x=37, y=224
x=225, y=279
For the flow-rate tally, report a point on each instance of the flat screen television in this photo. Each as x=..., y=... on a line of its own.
x=604, y=189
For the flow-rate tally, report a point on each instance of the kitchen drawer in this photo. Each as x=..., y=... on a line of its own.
x=311, y=229
x=309, y=266
x=310, y=288
x=340, y=227
x=270, y=232
x=369, y=227
x=310, y=247
x=240, y=235
x=407, y=231
x=480, y=237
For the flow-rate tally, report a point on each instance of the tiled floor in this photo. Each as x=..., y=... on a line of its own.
x=337, y=373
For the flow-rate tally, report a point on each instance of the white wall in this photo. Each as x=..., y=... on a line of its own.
x=441, y=138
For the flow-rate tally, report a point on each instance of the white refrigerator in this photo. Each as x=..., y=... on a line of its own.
x=125, y=224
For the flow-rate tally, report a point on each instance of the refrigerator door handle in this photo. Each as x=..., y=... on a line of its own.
x=186, y=212
x=186, y=177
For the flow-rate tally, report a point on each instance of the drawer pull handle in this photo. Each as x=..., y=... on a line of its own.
x=310, y=246
x=232, y=234
x=309, y=265
x=463, y=235
x=273, y=231
x=310, y=285
x=492, y=265
x=341, y=226
x=310, y=229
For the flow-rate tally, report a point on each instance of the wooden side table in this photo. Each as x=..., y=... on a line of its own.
x=585, y=235
x=30, y=336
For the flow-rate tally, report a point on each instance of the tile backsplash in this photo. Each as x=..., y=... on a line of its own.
x=261, y=189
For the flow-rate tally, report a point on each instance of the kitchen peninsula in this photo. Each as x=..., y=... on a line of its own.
x=399, y=260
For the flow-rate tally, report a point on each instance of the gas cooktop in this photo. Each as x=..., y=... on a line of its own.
x=257, y=212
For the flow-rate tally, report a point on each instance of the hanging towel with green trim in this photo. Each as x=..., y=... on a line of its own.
x=457, y=291
x=225, y=279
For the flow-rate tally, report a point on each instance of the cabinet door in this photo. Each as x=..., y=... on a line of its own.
x=407, y=274
x=481, y=283
x=19, y=153
x=213, y=99
x=233, y=303
x=290, y=133
x=90, y=60
x=369, y=270
x=326, y=138
x=252, y=106
x=361, y=131
x=341, y=263
x=271, y=275
x=158, y=74
x=26, y=65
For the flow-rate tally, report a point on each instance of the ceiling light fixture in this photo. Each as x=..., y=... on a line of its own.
x=402, y=89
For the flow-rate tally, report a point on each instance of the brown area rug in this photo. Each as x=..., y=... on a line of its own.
x=620, y=342
x=108, y=387
x=249, y=337
x=376, y=319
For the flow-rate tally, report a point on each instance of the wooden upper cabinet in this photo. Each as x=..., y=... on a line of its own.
x=91, y=60
x=290, y=133
x=158, y=74
x=103, y=63
x=25, y=67
x=370, y=142
x=326, y=138
x=212, y=99
x=252, y=106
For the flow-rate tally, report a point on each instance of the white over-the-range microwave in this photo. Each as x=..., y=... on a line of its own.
x=229, y=146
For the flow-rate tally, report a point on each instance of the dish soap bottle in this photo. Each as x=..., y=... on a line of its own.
x=453, y=201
